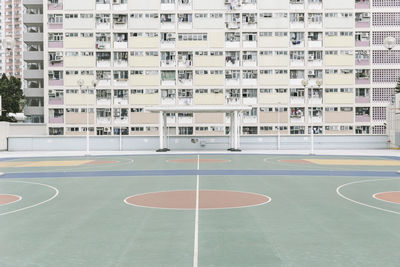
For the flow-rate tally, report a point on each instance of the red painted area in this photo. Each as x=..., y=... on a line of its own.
x=393, y=197
x=8, y=199
x=298, y=161
x=208, y=199
x=200, y=160
x=99, y=162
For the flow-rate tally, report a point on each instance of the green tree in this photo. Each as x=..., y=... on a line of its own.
x=11, y=97
x=397, y=88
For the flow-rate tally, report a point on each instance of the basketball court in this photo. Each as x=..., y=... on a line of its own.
x=200, y=210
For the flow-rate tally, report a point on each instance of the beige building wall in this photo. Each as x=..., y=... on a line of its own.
x=338, y=41
x=79, y=42
x=339, y=117
x=209, y=99
x=338, y=98
x=211, y=118
x=274, y=79
x=144, y=99
x=273, y=61
x=144, y=118
x=143, y=42
x=72, y=80
x=144, y=80
x=339, y=60
x=209, y=80
x=144, y=61
x=80, y=62
x=78, y=118
x=208, y=61
x=273, y=98
x=79, y=99
x=273, y=41
x=272, y=117
x=339, y=79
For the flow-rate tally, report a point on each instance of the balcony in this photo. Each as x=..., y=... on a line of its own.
x=34, y=37
x=33, y=74
x=50, y=6
x=33, y=18
x=184, y=4
x=103, y=5
x=362, y=99
x=33, y=55
x=363, y=118
x=56, y=101
x=56, y=82
x=362, y=4
x=52, y=44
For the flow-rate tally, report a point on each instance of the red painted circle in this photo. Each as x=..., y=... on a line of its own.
x=200, y=160
x=393, y=197
x=8, y=199
x=208, y=199
x=101, y=162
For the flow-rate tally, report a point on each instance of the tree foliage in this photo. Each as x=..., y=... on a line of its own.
x=397, y=88
x=11, y=97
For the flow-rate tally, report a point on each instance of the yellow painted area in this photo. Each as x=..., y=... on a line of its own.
x=352, y=162
x=26, y=164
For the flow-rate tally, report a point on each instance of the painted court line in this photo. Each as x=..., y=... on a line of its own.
x=35, y=205
x=363, y=204
x=249, y=172
x=196, y=226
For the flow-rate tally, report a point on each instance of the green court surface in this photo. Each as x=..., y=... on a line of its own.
x=321, y=211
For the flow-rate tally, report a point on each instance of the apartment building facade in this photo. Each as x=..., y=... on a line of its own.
x=303, y=65
x=12, y=30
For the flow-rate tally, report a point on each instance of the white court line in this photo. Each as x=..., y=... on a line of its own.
x=363, y=204
x=35, y=205
x=196, y=225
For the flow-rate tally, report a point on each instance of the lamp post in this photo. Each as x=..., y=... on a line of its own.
x=80, y=83
x=304, y=82
x=279, y=125
x=389, y=43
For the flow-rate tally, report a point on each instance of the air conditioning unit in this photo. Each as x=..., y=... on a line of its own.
x=107, y=129
x=170, y=35
x=311, y=72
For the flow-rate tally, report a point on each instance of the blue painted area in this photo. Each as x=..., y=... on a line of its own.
x=201, y=172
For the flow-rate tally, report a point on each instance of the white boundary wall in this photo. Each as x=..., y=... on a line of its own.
x=185, y=143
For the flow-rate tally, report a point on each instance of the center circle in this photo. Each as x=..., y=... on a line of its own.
x=208, y=199
x=392, y=197
x=199, y=160
x=8, y=199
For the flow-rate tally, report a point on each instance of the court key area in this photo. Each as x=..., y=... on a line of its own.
x=200, y=210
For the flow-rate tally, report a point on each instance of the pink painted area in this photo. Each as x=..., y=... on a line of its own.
x=57, y=64
x=208, y=199
x=364, y=4
x=56, y=101
x=56, y=82
x=362, y=62
x=393, y=197
x=364, y=99
x=6, y=199
x=55, y=6
x=55, y=26
x=363, y=118
x=362, y=43
x=362, y=24
x=362, y=81
x=56, y=120
x=55, y=44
